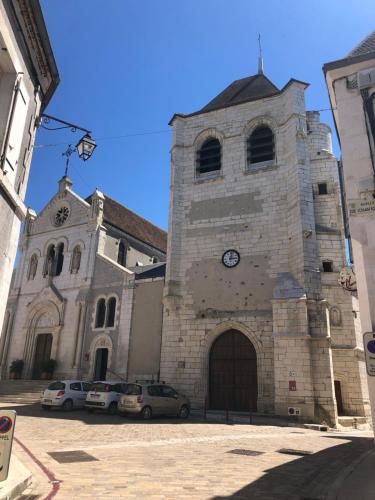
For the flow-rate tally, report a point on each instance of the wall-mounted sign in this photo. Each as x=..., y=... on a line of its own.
x=361, y=207
x=347, y=279
x=292, y=385
x=369, y=347
x=7, y=424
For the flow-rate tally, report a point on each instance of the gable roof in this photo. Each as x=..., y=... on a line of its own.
x=246, y=89
x=124, y=219
x=365, y=47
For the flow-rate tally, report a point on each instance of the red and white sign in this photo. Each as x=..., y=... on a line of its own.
x=7, y=424
x=347, y=279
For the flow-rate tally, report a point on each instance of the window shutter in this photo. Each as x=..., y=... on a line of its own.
x=17, y=127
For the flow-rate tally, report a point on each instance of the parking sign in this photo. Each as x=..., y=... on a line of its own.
x=7, y=424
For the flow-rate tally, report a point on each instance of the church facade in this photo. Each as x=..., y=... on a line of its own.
x=254, y=316
x=247, y=312
x=87, y=292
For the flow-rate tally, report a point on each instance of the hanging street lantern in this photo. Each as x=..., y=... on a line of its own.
x=85, y=147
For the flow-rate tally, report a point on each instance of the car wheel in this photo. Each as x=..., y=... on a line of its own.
x=146, y=413
x=112, y=408
x=184, y=411
x=46, y=407
x=67, y=405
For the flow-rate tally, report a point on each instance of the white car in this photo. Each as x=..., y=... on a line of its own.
x=65, y=394
x=104, y=395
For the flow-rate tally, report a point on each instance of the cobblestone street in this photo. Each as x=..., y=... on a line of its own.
x=174, y=459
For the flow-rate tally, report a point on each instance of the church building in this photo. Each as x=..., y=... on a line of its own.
x=87, y=292
x=254, y=316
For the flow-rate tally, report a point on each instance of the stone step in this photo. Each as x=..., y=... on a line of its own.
x=22, y=391
x=352, y=421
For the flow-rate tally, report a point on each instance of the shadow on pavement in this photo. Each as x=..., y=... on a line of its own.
x=309, y=477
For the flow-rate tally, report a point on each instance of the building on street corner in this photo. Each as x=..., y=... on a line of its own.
x=28, y=79
x=254, y=316
x=351, y=87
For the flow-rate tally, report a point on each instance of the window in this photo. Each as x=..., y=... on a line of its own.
x=327, y=266
x=322, y=188
x=49, y=265
x=260, y=145
x=32, y=267
x=168, y=392
x=121, y=256
x=100, y=313
x=86, y=386
x=133, y=390
x=56, y=386
x=76, y=260
x=154, y=390
x=75, y=386
x=59, y=259
x=111, y=312
x=209, y=157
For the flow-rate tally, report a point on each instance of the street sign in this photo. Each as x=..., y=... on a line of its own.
x=361, y=207
x=369, y=347
x=7, y=424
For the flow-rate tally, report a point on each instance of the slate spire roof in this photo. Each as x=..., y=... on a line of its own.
x=246, y=89
x=365, y=47
x=121, y=217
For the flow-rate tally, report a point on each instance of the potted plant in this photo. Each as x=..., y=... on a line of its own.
x=16, y=368
x=48, y=367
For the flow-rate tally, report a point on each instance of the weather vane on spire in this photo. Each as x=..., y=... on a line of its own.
x=260, y=59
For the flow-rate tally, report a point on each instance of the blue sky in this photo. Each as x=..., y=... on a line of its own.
x=127, y=65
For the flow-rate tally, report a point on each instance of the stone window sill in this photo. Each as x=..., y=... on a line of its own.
x=254, y=169
x=211, y=178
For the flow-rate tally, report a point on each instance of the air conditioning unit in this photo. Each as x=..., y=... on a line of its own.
x=366, y=78
x=294, y=411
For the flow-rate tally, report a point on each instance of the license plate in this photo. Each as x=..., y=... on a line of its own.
x=129, y=403
x=95, y=395
x=47, y=400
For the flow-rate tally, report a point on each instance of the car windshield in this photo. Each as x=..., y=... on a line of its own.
x=101, y=387
x=133, y=390
x=56, y=386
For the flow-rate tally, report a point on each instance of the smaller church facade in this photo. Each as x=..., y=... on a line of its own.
x=87, y=292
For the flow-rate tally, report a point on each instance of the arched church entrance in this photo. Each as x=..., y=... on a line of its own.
x=42, y=353
x=233, y=381
x=101, y=362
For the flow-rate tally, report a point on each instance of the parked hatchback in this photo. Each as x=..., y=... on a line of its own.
x=153, y=399
x=65, y=394
x=105, y=396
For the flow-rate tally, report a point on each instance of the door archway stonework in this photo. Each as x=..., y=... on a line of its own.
x=208, y=342
x=44, y=318
x=102, y=341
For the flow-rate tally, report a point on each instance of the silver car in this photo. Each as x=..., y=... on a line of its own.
x=65, y=394
x=148, y=399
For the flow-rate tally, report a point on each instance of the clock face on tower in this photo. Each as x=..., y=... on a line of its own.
x=230, y=258
x=61, y=215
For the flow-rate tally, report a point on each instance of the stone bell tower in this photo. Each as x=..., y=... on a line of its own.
x=253, y=255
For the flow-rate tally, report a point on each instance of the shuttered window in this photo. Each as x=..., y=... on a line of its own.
x=209, y=157
x=260, y=145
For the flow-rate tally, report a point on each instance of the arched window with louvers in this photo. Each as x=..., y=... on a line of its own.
x=208, y=159
x=261, y=146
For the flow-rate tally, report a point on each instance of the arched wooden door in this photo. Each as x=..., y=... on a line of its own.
x=42, y=353
x=233, y=381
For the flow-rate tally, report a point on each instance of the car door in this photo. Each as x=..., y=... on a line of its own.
x=154, y=399
x=169, y=398
x=75, y=393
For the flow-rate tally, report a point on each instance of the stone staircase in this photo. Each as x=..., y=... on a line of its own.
x=22, y=391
